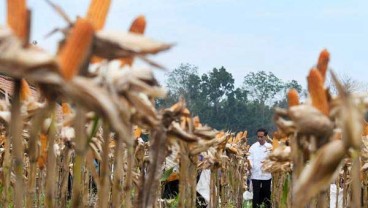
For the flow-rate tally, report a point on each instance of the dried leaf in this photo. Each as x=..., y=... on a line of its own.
x=320, y=172
x=113, y=45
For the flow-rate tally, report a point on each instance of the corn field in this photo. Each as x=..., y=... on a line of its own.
x=72, y=123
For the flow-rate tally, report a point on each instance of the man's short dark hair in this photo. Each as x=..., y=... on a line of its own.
x=262, y=130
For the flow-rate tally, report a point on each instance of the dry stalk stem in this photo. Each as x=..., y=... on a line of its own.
x=355, y=183
x=118, y=173
x=51, y=161
x=103, y=194
x=33, y=155
x=129, y=177
x=80, y=151
x=157, y=154
x=16, y=126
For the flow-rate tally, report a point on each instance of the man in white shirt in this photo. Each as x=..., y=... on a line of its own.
x=261, y=180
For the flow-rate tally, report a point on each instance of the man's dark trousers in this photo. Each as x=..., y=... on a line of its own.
x=261, y=193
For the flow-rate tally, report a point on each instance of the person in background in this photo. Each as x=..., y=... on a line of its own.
x=261, y=180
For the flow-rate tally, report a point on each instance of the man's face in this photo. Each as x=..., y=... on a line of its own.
x=261, y=137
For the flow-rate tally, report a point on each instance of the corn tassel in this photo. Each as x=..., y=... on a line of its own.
x=18, y=18
x=322, y=64
x=97, y=13
x=138, y=26
x=76, y=49
x=317, y=92
x=293, y=97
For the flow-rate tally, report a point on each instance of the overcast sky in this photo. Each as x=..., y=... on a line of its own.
x=283, y=36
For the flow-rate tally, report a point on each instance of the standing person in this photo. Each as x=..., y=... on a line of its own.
x=261, y=180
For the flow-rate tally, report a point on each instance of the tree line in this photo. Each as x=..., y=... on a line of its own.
x=214, y=98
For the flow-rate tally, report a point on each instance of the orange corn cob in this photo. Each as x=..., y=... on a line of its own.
x=18, y=18
x=76, y=49
x=137, y=132
x=322, y=64
x=196, y=122
x=25, y=92
x=97, y=13
x=41, y=160
x=138, y=26
x=293, y=97
x=317, y=91
x=66, y=108
x=365, y=129
x=275, y=143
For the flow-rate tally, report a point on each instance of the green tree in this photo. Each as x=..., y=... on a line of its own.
x=262, y=86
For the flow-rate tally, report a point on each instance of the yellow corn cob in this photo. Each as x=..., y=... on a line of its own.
x=18, y=18
x=76, y=49
x=293, y=97
x=41, y=160
x=138, y=26
x=322, y=64
x=25, y=92
x=97, y=13
x=317, y=92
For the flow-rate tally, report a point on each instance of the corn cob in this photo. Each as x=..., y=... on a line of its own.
x=97, y=13
x=293, y=97
x=196, y=122
x=138, y=26
x=137, y=132
x=25, y=92
x=76, y=49
x=322, y=64
x=365, y=129
x=18, y=18
x=317, y=92
x=66, y=108
x=41, y=160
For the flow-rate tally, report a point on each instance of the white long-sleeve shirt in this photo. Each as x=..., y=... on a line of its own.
x=258, y=153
